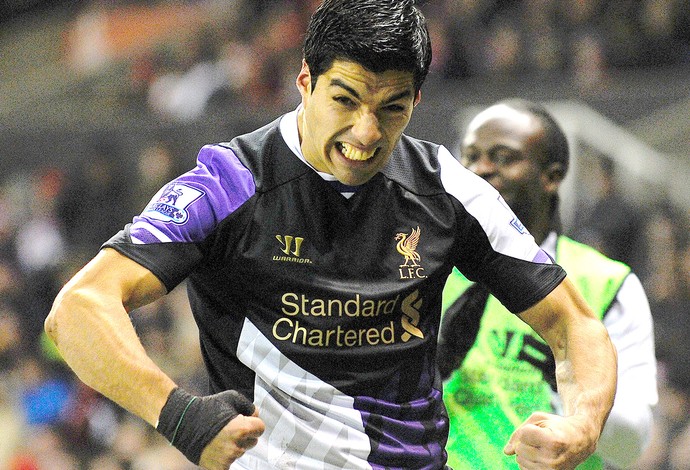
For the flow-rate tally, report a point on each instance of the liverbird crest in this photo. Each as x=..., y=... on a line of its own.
x=407, y=246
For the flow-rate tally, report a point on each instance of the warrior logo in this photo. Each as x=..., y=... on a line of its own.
x=292, y=251
x=407, y=246
x=286, y=243
x=170, y=204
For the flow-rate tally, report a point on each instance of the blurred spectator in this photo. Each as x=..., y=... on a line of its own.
x=44, y=448
x=45, y=396
x=504, y=50
x=88, y=40
x=660, y=22
x=95, y=202
x=277, y=50
x=589, y=67
x=466, y=23
x=155, y=167
x=182, y=93
x=11, y=419
x=668, y=281
x=543, y=38
x=40, y=247
x=612, y=224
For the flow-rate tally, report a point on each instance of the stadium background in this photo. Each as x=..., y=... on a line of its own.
x=102, y=102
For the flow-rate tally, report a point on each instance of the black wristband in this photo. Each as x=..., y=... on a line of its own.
x=190, y=422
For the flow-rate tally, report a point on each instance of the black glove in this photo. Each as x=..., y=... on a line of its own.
x=190, y=422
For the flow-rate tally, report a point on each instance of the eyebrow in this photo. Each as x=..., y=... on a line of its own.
x=339, y=83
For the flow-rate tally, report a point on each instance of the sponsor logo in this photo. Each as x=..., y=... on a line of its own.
x=294, y=304
x=410, y=319
x=298, y=306
x=288, y=329
x=407, y=246
x=171, y=204
x=291, y=248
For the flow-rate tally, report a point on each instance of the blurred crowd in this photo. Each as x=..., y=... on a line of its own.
x=247, y=51
x=53, y=219
x=51, y=222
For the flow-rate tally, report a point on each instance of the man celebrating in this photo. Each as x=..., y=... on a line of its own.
x=315, y=251
x=499, y=371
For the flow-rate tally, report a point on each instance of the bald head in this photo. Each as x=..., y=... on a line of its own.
x=519, y=148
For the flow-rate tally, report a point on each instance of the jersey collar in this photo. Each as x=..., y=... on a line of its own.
x=290, y=134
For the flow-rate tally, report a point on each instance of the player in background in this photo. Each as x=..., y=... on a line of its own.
x=497, y=370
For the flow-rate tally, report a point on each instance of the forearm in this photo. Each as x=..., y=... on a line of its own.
x=586, y=372
x=98, y=341
x=100, y=345
x=586, y=363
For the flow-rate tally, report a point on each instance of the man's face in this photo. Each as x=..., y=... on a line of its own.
x=351, y=121
x=502, y=146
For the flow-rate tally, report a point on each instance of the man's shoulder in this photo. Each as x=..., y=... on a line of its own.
x=255, y=139
x=598, y=277
x=412, y=147
x=266, y=155
x=573, y=251
x=415, y=165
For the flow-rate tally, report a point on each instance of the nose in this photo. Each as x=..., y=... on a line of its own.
x=483, y=166
x=367, y=129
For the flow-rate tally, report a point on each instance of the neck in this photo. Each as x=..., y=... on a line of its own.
x=539, y=235
x=540, y=227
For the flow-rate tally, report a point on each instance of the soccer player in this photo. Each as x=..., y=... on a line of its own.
x=499, y=371
x=315, y=250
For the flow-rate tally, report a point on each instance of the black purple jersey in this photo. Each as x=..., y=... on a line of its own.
x=325, y=309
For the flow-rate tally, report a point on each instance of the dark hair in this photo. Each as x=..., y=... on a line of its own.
x=555, y=144
x=379, y=35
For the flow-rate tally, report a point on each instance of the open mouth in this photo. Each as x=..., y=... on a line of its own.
x=355, y=154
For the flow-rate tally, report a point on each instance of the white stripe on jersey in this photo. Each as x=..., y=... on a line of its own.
x=484, y=203
x=310, y=424
x=147, y=227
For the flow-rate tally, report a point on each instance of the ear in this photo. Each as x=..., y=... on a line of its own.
x=552, y=177
x=304, y=81
x=417, y=98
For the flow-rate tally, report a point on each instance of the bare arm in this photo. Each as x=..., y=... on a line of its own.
x=90, y=326
x=586, y=367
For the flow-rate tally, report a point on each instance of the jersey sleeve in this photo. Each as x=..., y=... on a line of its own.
x=166, y=237
x=494, y=247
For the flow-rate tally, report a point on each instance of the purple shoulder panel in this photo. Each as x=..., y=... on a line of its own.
x=188, y=208
x=542, y=257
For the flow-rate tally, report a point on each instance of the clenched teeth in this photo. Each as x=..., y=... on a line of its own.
x=352, y=153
